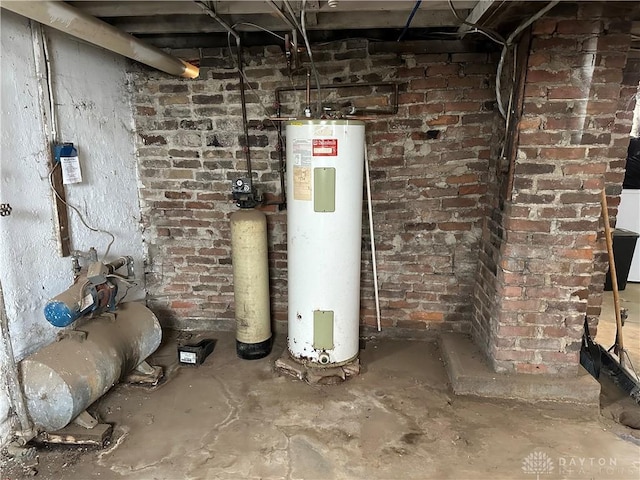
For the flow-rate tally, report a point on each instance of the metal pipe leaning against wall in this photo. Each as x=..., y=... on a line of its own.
x=68, y=19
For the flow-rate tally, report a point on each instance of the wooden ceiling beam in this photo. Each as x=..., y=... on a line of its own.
x=106, y=9
x=479, y=14
x=176, y=24
x=137, y=8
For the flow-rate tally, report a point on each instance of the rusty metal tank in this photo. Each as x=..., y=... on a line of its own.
x=62, y=379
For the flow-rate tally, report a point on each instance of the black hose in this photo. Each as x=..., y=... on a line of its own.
x=281, y=163
x=410, y=19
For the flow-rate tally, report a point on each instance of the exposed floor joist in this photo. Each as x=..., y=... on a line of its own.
x=175, y=24
x=479, y=13
x=147, y=8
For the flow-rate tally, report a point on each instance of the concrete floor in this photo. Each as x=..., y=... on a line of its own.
x=629, y=299
x=231, y=419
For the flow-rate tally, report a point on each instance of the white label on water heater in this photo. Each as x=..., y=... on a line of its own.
x=325, y=147
x=71, y=172
x=323, y=131
x=302, y=183
x=302, y=152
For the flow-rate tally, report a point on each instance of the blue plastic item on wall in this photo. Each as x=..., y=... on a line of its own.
x=64, y=150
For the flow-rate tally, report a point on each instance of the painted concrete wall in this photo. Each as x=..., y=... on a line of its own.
x=94, y=112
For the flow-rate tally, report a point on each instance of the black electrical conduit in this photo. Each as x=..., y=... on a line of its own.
x=409, y=20
x=247, y=152
x=245, y=126
x=390, y=111
x=281, y=165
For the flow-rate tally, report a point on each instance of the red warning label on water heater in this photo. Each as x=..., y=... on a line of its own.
x=325, y=147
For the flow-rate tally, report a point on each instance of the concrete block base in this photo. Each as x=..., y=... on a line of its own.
x=470, y=374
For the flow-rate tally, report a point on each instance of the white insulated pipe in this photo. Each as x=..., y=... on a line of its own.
x=75, y=22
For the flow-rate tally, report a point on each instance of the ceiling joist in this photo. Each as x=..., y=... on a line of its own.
x=177, y=24
x=146, y=8
x=479, y=14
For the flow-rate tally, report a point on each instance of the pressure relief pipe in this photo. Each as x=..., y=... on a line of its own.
x=73, y=21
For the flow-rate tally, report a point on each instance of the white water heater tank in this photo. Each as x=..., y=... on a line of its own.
x=325, y=162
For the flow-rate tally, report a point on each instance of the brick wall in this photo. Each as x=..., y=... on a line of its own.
x=542, y=259
x=429, y=167
x=466, y=241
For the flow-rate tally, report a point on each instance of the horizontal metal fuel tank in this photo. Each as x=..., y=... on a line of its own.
x=62, y=379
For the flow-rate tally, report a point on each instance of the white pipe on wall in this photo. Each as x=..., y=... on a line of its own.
x=75, y=22
x=371, y=234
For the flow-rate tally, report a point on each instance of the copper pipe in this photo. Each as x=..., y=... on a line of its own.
x=243, y=101
x=346, y=117
x=391, y=111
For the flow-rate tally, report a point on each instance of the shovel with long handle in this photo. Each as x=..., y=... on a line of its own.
x=618, y=347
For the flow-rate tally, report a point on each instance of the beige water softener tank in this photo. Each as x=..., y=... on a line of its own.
x=251, y=283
